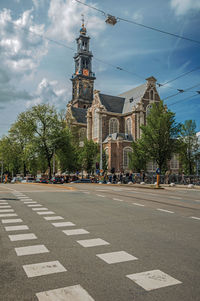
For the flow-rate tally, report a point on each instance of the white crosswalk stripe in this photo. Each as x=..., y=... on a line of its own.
x=11, y=221
x=30, y=250
x=16, y=228
x=115, y=257
x=75, y=232
x=17, y=237
x=43, y=268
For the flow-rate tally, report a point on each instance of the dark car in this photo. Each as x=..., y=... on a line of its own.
x=44, y=181
x=57, y=180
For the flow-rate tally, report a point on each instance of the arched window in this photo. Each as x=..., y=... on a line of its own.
x=128, y=126
x=126, y=152
x=148, y=109
x=151, y=95
x=113, y=126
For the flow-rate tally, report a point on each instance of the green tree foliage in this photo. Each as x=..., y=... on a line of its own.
x=189, y=148
x=159, y=136
x=88, y=156
x=137, y=158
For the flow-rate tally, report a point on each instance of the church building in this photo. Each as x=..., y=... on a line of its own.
x=113, y=121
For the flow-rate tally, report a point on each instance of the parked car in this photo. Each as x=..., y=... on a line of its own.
x=44, y=181
x=57, y=180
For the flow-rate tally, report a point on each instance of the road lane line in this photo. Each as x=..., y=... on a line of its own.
x=63, y=224
x=114, y=199
x=194, y=217
x=100, y=195
x=175, y=197
x=137, y=204
x=168, y=211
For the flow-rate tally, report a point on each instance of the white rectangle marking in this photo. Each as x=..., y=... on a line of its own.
x=8, y=214
x=63, y=224
x=92, y=242
x=75, y=232
x=29, y=250
x=11, y=221
x=43, y=268
x=16, y=228
x=22, y=237
x=30, y=202
x=53, y=218
x=194, y=217
x=6, y=210
x=168, y=211
x=35, y=205
x=39, y=209
x=5, y=207
x=70, y=293
x=115, y=257
x=46, y=212
x=137, y=204
x=114, y=199
x=151, y=280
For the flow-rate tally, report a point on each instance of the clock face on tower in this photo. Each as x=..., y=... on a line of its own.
x=85, y=72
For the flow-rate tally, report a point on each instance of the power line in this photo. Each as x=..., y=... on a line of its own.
x=180, y=91
x=140, y=24
x=187, y=98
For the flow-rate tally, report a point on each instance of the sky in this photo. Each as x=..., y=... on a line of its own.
x=38, y=41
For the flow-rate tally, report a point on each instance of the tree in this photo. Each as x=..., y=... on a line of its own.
x=48, y=131
x=189, y=148
x=137, y=158
x=88, y=156
x=159, y=136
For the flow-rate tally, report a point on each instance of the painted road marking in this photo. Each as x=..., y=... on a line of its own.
x=4, y=203
x=63, y=224
x=92, y=242
x=40, y=209
x=45, y=212
x=35, y=205
x=6, y=210
x=71, y=293
x=16, y=228
x=26, y=200
x=8, y=215
x=115, y=257
x=117, y=200
x=36, y=249
x=22, y=237
x=151, y=280
x=100, y=195
x=175, y=197
x=43, y=268
x=5, y=207
x=86, y=192
x=194, y=217
x=11, y=220
x=30, y=202
x=75, y=232
x=137, y=204
x=52, y=218
x=168, y=211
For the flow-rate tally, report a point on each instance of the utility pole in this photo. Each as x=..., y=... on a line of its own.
x=54, y=163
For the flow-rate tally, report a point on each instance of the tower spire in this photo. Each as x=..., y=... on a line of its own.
x=83, y=29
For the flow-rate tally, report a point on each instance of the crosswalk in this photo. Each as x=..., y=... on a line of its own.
x=148, y=280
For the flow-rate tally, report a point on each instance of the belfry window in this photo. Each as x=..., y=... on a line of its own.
x=126, y=152
x=113, y=126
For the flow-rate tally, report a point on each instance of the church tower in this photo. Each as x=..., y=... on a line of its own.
x=83, y=77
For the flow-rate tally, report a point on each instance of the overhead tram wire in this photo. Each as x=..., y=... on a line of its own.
x=187, y=98
x=180, y=91
x=142, y=25
x=99, y=60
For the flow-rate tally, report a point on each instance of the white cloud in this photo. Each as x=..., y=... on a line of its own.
x=20, y=50
x=50, y=92
x=65, y=16
x=182, y=7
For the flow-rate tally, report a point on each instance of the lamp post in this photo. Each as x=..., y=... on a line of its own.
x=101, y=142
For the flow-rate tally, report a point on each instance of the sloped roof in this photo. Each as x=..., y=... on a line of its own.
x=124, y=136
x=112, y=103
x=79, y=114
x=132, y=97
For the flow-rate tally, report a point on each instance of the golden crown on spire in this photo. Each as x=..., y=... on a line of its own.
x=83, y=28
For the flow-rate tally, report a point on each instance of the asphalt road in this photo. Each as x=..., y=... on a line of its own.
x=120, y=243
